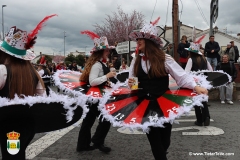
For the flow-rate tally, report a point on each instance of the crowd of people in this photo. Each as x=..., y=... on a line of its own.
x=217, y=60
x=151, y=65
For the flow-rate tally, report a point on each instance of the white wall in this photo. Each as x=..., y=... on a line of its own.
x=184, y=30
x=221, y=39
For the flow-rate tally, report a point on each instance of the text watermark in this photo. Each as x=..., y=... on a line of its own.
x=210, y=154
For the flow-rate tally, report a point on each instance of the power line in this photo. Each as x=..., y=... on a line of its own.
x=153, y=9
x=167, y=13
x=201, y=12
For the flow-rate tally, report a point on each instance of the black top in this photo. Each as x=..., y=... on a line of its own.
x=73, y=68
x=229, y=68
x=181, y=49
x=155, y=87
x=106, y=70
x=196, y=67
x=226, y=68
x=209, y=46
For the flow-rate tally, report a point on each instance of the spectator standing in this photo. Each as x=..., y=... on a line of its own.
x=73, y=67
x=236, y=51
x=124, y=66
x=212, y=48
x=117, y=63
x=228, y=67
x=170, y=50
x=230, y=52
x=183, y=54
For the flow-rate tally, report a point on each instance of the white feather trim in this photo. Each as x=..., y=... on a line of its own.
x=200, y=74
x=53, y=97
x=78, y=94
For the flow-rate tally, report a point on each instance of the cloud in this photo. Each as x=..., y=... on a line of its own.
x=77, y=15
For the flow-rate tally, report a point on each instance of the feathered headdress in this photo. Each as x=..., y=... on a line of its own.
x=195, y=47
x=99, y=42
x=91, y=34
x=200, y=39
x=149, y=31
x=17, y=42
x=32, y=35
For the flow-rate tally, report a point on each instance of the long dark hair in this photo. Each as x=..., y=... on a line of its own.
x=156, y=58
x=23, y=76
x=96, y=56
x=198, y=57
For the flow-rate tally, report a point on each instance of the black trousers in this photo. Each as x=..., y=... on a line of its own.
x=47, y=85
x=202, y=112
x=21, y=124
x=84, y=136
x=159, y=139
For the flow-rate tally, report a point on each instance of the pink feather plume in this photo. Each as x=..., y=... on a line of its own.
x=91, y=34
x=34, y=32
x=200, y=39
x=156, y=21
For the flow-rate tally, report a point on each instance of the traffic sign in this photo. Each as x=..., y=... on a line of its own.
x=123, y=47
x=214, y=10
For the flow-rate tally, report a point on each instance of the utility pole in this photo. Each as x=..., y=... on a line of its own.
x=3, y=34
x=64, y=42
x=175, y=31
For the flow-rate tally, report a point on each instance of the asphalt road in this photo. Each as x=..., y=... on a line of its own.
x=210, y=143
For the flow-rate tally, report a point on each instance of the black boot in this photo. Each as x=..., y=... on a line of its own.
x=102, y=148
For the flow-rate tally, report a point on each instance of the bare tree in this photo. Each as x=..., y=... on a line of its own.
x=119, y=25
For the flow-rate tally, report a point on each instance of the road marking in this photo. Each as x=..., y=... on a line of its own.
x=203, y=131
x=44, y=142
x=189, y=120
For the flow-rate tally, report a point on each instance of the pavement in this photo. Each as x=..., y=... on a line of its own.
x=219, y=141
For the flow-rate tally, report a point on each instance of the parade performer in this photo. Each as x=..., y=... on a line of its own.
x=18, y=77
x=195, y=63
x=152, y=66
x=95, y=73
x=44, y=72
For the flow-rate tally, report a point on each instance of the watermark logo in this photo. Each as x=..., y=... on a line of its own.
x=13, y=143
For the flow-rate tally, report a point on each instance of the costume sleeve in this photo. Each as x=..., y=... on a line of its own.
x=94, y=77
x=40, y=91
x=189, y=65
x=209, y=66
x=181, y=77
x=3, y=76
x=131, y=73
x=41, y=72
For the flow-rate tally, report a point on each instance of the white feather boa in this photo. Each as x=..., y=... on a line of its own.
x=53, y=97
x=78, y=94
x=197, y=101
x=203, y=82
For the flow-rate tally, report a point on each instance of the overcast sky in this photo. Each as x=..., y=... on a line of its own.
x=77, y=15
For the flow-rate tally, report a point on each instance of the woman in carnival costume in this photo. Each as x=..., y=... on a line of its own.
x=152, y=67
x=18, y=78
x=195, y=63
x=95, y=73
